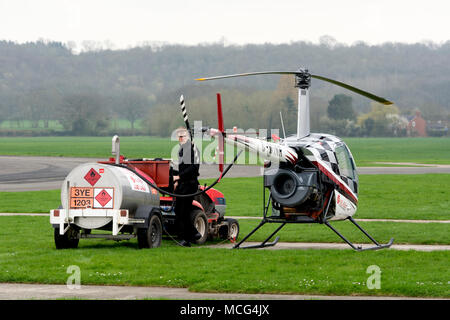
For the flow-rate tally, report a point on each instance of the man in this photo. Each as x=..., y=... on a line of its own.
x=186, y=182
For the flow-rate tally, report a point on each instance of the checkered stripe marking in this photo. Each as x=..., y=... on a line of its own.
x=324, y=145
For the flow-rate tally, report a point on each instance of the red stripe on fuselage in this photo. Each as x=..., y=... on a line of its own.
x=340, y=184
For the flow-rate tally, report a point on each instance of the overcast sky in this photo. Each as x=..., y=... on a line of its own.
x=132, y=22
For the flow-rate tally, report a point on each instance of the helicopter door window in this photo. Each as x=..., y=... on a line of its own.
x=345, y=162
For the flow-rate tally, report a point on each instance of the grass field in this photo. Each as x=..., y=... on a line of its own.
x=418, y=150
x=365, y=150
x=57, y=126
x=425, y=197
x=27, y=254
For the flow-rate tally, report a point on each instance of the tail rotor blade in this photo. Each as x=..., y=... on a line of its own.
x=185, y=116
x=220, y=126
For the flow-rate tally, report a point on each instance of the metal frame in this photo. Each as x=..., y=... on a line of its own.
x=66, y=217
x=270, y=219
x=304, y=219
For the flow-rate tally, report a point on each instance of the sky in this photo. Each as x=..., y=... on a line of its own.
x=123, y=24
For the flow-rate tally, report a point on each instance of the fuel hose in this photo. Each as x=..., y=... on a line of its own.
x=180, y=195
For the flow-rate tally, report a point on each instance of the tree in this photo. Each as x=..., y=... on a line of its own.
x=380, y=121
x=285, y=98
x=83, y=113
x=340, y=107
x=134, y=104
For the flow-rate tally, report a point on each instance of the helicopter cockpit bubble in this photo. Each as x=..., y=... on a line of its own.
x=346, y=164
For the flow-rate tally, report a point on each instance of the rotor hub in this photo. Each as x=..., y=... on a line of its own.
x=303, y=79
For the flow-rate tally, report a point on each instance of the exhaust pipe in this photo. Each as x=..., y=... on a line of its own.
x=116, y=148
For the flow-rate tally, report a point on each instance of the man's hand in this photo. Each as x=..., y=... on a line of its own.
x=175, y=181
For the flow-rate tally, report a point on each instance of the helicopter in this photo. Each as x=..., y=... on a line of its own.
x=311, y=177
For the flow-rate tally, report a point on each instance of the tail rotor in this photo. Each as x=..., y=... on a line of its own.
x=221, y=137
x=185, y=116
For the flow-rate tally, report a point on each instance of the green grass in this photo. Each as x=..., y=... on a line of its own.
x=27, y=254
x=90, y=147
x=417, y=150
x=30, y=201
x=365, y=150
x=424, y=197
x=57, y=126
x=27, y=125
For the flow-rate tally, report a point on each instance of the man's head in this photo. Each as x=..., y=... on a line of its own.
x=182, y=135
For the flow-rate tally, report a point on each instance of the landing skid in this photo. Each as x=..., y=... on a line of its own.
x=262, y=244
x=271, y=219
x=359, y=248
x=305, y=219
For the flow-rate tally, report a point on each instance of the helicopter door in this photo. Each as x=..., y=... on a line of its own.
x=347, y=167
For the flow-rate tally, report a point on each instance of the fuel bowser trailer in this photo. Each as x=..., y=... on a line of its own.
x=128, y=198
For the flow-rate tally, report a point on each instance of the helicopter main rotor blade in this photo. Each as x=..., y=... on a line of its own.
x=299, y=72
x=247, y=74
x=354, y=89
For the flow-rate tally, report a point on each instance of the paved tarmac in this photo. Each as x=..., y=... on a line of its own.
x=17, y=291
x=47, y=173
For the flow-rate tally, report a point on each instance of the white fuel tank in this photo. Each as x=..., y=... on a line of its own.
x=102, y=186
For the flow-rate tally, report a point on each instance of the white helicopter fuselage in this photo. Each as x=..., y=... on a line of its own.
x=326, y=152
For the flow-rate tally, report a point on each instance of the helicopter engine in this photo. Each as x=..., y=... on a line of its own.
x=292, y=189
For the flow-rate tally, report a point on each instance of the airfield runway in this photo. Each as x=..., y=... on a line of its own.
x=47, y=173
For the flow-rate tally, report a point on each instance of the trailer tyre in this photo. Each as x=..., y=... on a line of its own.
x=68, y=240
x=150, y=237
x=200, y=221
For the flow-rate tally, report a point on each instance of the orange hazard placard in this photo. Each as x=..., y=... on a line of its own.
x=81, y=197
x=79, y=192
x=103, y=198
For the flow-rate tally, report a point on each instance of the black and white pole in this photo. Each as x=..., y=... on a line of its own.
x=185, y=116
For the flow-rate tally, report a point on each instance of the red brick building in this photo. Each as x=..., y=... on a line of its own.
x=417, y=126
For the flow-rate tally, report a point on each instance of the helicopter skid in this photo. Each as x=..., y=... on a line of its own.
x=359, y=248
x=264, y=243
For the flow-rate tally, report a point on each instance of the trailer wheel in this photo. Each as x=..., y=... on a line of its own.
x=68, y=240
x=233, y=228
x=150, y=237
x=201, y=224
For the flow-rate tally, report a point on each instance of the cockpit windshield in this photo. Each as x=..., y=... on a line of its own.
x=345, y=162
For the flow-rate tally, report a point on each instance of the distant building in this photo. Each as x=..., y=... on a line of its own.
x=437, y=128
x=417, y=126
